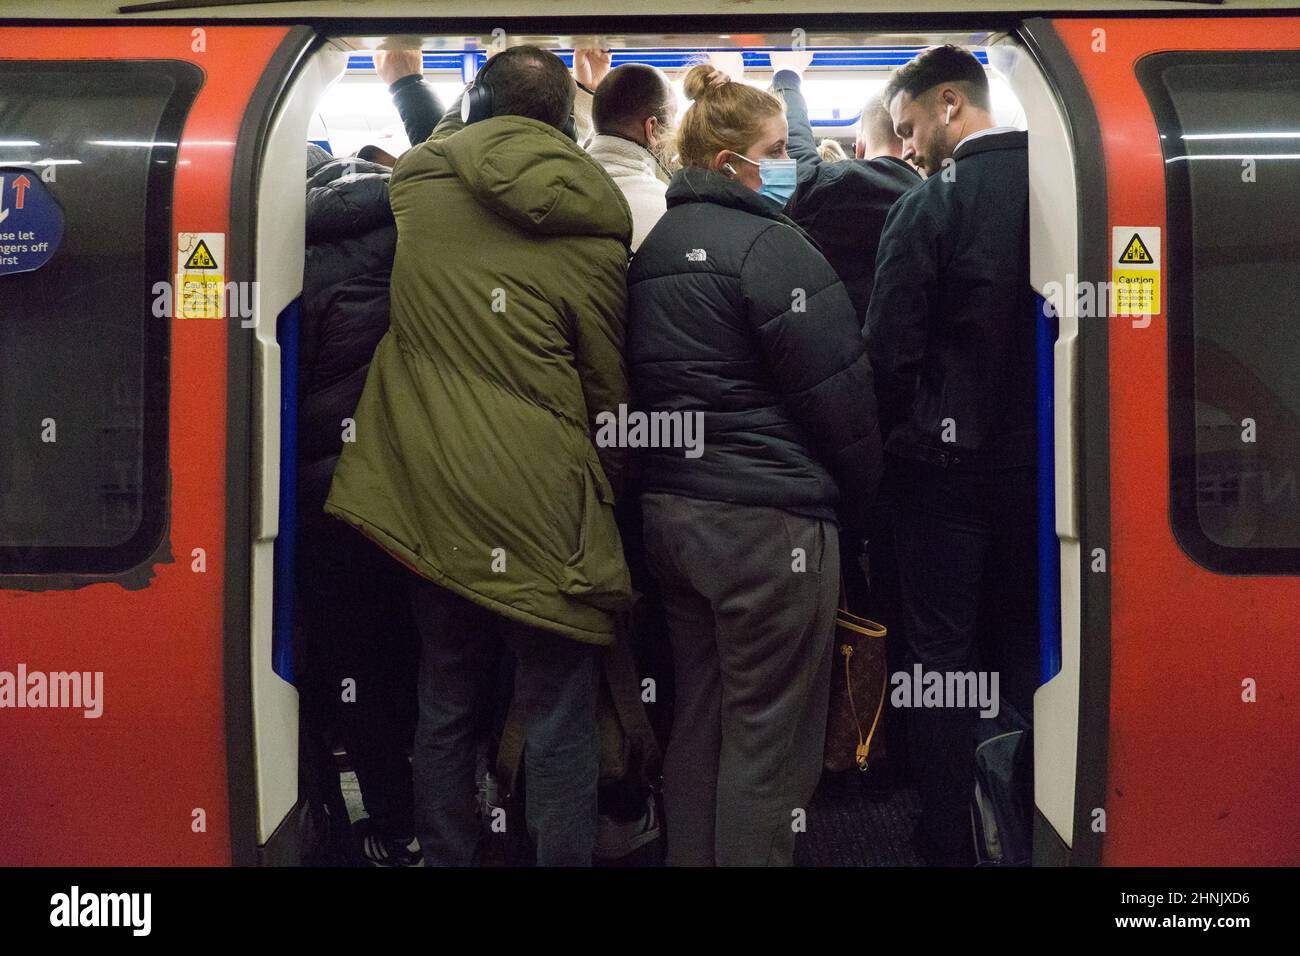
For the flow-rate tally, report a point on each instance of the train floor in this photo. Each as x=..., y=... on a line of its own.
x=849, y=824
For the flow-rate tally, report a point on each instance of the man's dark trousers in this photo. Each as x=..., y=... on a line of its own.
x=967, y=547
x=355, y=627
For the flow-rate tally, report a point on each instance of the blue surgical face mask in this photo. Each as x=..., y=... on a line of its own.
x=778, y=178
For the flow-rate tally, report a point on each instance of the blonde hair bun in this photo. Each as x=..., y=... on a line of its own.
x=702, y=78
x=730, y=117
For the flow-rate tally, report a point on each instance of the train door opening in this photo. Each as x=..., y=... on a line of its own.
x=340, y=104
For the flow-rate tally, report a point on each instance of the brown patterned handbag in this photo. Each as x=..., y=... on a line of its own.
x=858, y=688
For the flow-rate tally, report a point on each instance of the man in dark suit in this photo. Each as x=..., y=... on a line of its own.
x=951, y=335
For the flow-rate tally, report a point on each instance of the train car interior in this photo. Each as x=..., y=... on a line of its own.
x=352, y=114
x=337, y=101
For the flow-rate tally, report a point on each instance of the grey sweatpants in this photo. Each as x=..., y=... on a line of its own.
x=752, y=637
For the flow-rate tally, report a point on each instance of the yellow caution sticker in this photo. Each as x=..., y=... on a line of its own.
x=1135, y=273
x=200, y=275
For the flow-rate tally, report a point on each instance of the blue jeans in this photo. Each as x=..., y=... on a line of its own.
x=555, y=687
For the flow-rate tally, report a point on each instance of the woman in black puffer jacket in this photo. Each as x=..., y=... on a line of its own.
x=736, y=316
x=352, y=602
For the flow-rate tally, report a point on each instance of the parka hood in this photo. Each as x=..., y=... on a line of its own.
x=534, y=176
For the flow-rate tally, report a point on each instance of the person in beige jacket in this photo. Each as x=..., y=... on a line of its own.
x=630, y=113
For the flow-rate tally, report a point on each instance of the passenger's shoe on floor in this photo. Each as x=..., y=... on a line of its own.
x=616, y=839
x=378, y=850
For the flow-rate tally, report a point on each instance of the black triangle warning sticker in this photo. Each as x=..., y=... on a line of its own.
x=201, y=258
x=1135, y=251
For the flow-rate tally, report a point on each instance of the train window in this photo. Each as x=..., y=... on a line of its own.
x=837, y=83
x=1230, y=130
x=84, y=382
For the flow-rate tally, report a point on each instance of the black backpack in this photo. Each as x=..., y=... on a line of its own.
x=1002, y=804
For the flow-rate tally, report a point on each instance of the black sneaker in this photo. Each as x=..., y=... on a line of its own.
x=378, y=850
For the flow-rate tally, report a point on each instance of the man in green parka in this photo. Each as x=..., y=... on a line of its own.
x=472, y=459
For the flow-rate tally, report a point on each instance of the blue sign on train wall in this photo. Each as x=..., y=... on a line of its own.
x=31, y=222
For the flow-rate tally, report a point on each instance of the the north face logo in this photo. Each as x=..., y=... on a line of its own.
x=696, y=255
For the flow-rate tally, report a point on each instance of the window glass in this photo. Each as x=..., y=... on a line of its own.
x=83, y=359
x=1230, y=131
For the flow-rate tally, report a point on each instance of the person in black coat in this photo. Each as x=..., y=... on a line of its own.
x=843, y=206
x=352, y=601
x=739, y=326
x=951, y=333
x=351, y=594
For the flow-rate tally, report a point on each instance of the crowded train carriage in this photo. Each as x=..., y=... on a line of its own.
x=813, y=433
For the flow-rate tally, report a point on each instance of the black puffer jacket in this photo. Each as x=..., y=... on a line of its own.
x=351, y=239
x=733, y=312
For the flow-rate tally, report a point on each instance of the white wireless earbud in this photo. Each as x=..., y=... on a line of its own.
x=729, y=168
x=947, y=119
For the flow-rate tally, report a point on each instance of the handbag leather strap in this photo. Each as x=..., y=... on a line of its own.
x=864, y=744
x=860, y=625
